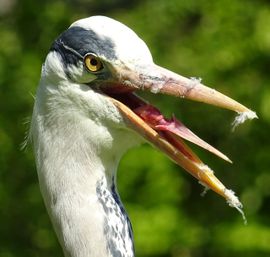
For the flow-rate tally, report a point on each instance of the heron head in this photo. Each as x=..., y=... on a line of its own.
x=106, y=56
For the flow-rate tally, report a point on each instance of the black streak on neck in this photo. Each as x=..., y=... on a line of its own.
x=120, y=231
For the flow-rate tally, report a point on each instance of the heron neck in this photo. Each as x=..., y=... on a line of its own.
x=77, y=159
x=81, y=197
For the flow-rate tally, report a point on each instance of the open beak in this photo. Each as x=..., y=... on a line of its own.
x=168, y=134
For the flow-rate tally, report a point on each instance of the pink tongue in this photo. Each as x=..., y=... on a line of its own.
x=173, y=128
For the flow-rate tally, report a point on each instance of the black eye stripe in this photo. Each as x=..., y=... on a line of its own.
x=74, y=43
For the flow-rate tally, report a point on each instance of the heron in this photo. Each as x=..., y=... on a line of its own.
x=87, y=114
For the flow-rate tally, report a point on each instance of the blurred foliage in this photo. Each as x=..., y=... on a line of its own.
x=227, y=43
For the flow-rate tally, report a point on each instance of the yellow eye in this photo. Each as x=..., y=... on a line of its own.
x=92, y=63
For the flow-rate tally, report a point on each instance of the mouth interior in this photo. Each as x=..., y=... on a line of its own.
x=172, y=130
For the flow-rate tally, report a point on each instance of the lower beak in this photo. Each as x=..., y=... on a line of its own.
x=167, y=134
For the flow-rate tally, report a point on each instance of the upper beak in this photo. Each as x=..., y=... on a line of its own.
x=164, y=133
x=160, y=80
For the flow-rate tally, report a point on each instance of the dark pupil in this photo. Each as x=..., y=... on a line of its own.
x=94, y=62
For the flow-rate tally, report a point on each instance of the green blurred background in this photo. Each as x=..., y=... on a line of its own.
x=227, y=43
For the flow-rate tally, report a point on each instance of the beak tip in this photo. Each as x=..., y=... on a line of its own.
x=229, y=161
